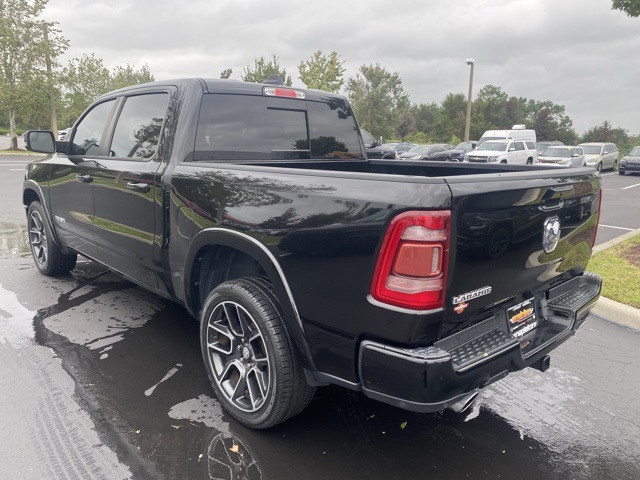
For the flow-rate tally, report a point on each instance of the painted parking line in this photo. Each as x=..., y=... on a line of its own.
x=617, y=228
x=631, y=186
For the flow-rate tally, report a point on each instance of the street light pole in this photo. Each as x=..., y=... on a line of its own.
x=467, y=127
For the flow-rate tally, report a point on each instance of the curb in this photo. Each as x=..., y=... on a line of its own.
x=610, y=309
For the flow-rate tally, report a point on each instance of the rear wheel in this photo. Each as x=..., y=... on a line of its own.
x=621, y=172
x=615, y=166
x=498, y=243
x=47, y=256
x=249, y=356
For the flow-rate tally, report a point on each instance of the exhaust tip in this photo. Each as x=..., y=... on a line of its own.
x=464, y=403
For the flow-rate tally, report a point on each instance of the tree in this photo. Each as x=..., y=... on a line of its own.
x=406, y=123
x=322, y=72
x=377, y=97
x=605, y=132
x=27, y=45
x=451, y=118
x=262, y=69
x=491, y=107
x=630, y=7
x=126, y=76
x=85, y=79
x=226, y=73
x=426, y=117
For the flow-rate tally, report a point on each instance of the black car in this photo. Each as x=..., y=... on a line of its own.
x=457, y=154
x=631, y=162
x=374, y=149
x=438, y=152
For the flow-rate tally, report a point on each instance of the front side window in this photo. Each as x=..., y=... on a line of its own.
x=138, y=129
x=519, y=145
x=88, y=135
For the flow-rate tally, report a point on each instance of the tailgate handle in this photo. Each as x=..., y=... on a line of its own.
x=551, y=208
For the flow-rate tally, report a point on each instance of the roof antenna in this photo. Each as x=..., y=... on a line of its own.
x=274, y=79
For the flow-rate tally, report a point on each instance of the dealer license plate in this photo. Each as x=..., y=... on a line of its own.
x=522, y=318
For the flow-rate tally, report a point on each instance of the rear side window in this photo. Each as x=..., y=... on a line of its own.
x=243, y=127
x=530, y=145
x=138, y=129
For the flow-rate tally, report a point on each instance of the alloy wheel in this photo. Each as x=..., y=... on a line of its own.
x=38, y=238
x=238, y=356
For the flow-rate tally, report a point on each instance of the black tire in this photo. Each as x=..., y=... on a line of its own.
x=498, y=243
x=245, y=346
x=529, y=161
x=621, y=172
x=599, y=167
x=47, y=256
x=615, y=166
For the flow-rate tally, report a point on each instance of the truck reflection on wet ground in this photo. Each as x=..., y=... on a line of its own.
x=137, y=365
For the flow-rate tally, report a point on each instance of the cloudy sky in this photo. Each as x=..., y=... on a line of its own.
x=576, y=53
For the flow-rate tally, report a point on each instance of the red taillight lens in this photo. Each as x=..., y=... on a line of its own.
x=283, y=92
x=411, y=271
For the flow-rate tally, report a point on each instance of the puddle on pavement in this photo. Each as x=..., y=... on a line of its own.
x=13, y=239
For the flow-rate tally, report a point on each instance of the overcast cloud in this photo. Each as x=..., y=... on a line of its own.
x=576, y=53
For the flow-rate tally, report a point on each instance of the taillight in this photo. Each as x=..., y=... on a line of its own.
x=411, y=271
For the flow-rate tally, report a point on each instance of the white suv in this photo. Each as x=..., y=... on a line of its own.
x=522, y=152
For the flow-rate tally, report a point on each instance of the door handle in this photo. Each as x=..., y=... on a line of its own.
x=139, y=187
x=84, y=178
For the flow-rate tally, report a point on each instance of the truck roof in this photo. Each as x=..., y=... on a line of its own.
x=229, y=86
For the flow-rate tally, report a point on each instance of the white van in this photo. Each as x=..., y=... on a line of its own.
x=517, y=132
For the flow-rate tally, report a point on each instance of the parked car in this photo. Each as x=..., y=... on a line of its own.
x=437, y=152
x=504, y=151
x=600, y=155
x=62, y=134
x=542, y=146
x=563, y=156
x=457, y=154
x=403, y=147
x=374, y=149
x=631, y=162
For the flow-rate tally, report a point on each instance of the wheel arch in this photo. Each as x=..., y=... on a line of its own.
x=242, y=250
x=33, y=193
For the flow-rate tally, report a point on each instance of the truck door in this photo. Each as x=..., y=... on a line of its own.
x=72, y=177
x=127, y=209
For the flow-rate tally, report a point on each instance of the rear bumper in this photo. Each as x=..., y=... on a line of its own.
x=432, y=378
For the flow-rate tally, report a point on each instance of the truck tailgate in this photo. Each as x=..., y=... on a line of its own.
x=532, y=231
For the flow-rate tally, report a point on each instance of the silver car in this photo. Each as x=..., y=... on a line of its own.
x=600, y=155
x=563, y=156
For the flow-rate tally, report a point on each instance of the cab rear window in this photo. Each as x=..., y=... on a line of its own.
x=245, y=128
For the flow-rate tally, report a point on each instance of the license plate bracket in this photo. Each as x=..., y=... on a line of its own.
x=522, y=318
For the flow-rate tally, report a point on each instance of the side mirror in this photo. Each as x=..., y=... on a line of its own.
x=40, y=141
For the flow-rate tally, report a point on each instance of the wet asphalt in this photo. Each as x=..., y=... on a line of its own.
x=100, y=379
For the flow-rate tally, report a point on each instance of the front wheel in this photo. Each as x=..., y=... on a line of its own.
x=47, y=256
x=621, y=172
x=249, y=356
x=599, y=167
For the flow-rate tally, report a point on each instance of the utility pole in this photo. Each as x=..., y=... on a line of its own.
x=52, y=96
x=467, y=127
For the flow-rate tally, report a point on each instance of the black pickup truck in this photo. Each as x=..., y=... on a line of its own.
x=254, y=205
